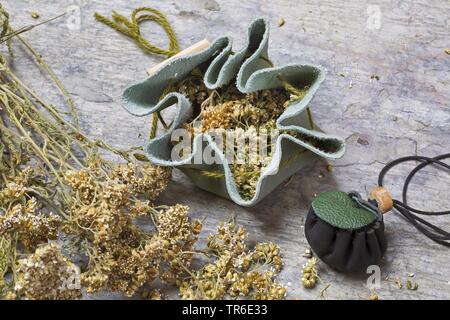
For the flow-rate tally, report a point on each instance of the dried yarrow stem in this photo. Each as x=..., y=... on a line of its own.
x=247, y=114
x=6, y=257
x=236, y=270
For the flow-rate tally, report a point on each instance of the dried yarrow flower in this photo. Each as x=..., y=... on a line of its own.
x=148, y=179
x=47, y=275
x=218, y=116
x=12, y=192
x=15, y=187
x=228, y=238
x=236, y=271
x=228, y=108
x=178, y=235
x=268, y=253
x=123, y=258
x=310, y=275
x=31, y=226
x=82, y=183
x=267, y=289
x=123, y=267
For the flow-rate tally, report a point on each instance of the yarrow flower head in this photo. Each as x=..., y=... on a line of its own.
x=234, y=272
x=47, y=275
x=227, y=108
x=31, y=226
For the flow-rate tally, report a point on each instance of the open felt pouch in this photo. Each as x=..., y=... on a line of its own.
x=250, y=70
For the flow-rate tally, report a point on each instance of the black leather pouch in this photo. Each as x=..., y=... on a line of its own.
x=345, y=232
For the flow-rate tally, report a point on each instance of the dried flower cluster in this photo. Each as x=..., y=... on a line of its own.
x=47, y=274
x=236, y=271
x=122, y=256
x=28, y=225
x=248, y=114
x=310, y=275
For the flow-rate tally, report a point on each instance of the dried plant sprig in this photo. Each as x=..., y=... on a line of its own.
x=47, y=275
x=6, y=257
x=8, y=36
x=28, y=225
x=236, y=270
x=309, y=274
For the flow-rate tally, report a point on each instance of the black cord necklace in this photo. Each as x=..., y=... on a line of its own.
x=411, y=214
x=347, y=232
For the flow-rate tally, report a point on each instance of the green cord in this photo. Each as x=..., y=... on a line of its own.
x=131, y=28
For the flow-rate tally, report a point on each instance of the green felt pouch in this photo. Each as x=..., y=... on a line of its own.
x=252, y=70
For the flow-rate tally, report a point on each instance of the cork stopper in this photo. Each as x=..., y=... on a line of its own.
x=195, y=48
x=383, y=199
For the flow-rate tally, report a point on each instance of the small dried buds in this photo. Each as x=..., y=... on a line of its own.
x=373, y=297
x=21, y=216
x=30, y=226
x=249, y=115
x=236, y=271
x=309, y=274
x=410, y=285
x=47, y=275
x=178, y=234
x=122, y=256
x=14, y=190
x=148, y=180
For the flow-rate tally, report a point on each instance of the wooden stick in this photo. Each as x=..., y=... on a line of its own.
x=197, y=47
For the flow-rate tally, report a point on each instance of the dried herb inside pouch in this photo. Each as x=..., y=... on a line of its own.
x=228, y=108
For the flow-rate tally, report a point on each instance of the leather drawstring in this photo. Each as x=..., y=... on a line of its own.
x=410, y=213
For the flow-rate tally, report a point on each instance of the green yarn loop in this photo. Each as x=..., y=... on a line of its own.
x=131, y=28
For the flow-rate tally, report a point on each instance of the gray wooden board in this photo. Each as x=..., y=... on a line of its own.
x=405, y=112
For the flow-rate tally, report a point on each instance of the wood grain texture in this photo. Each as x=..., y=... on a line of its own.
x=405, y=112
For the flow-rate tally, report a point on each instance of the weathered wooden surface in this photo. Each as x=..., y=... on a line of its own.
x=405, y=112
